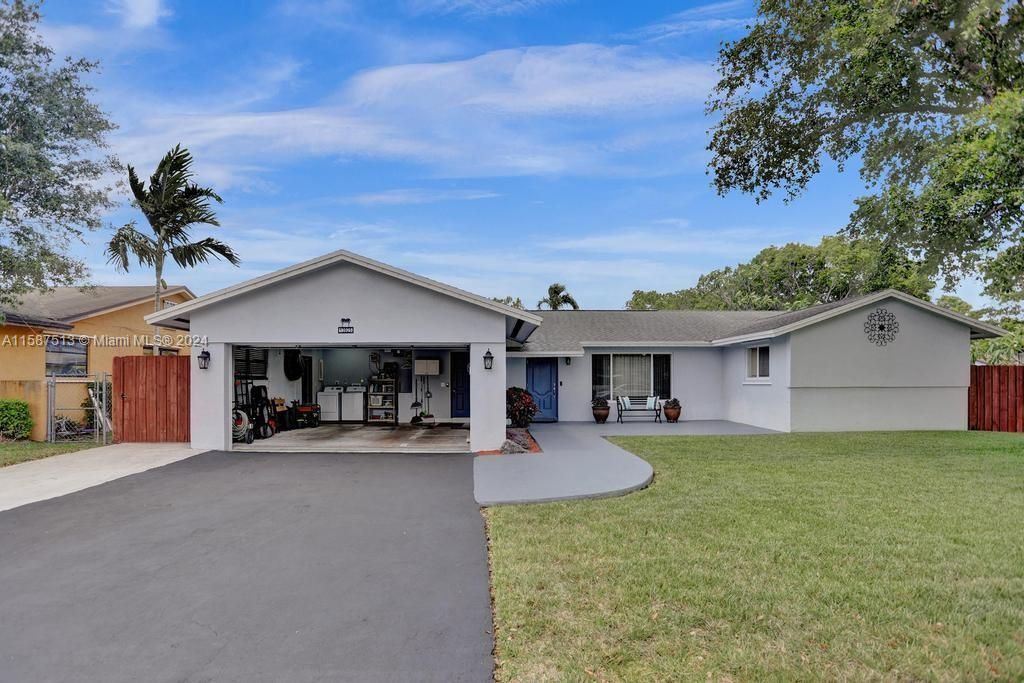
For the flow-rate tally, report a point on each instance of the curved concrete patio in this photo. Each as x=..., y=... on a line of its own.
x=579, y=462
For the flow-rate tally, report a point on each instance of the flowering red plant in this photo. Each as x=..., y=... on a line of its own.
x=519, y=406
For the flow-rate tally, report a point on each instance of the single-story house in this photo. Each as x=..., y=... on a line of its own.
x=71, y=333
x=381, y=345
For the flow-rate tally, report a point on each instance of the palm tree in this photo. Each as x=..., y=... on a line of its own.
x=172, y=204
x=557, y=298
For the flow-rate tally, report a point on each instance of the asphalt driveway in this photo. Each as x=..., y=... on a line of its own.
x=250, y=567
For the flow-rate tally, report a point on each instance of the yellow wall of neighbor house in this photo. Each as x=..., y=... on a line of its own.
x=23, y=364
x=22, y=358
x=22, y=353
x=126, y=323
x=105, y=332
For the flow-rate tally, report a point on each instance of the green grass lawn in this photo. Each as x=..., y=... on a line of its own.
x=13, y=452
x=893, y=556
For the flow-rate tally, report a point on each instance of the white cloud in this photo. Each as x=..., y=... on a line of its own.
x=711, y=18
x=417, y=196
x=69, y=38
x=137, y=14
x=575, y=109
x=229, y=146
x=580, y=79
x=136, y=29
x=670, y=236
x=477, y=7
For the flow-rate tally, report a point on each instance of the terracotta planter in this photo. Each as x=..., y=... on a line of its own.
x=601, y=414
x=672, y=414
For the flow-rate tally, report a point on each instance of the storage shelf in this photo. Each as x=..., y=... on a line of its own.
x=385, y=390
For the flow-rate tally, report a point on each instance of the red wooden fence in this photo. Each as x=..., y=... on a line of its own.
x=151, y=398
x=995, y=401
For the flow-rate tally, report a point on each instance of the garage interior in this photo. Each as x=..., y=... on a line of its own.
x=350, y=399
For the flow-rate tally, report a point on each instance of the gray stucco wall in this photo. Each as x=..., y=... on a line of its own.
x=842, y=381
x=696, y=381
x=763, y=403
x=307, y=310
x=384, y=311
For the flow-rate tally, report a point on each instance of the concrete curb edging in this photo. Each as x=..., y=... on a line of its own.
x=581, y=496
x=579, y=462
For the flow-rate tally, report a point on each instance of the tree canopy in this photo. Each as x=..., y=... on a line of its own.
x=796, y=276
x=926, y=95
x=558, y=298
x=51, y=163
x=1006, y=350
x=172, y=205
x=514, y=302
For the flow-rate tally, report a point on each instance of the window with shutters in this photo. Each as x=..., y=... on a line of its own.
x=250, y=363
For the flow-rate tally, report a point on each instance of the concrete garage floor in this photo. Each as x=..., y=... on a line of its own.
x=357, y=438
x=252, y=567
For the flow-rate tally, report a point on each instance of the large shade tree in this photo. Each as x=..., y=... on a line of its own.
x=172, y=204
x=1005, y=350
x=52, y=165
x=796, y=276
x=925, y=95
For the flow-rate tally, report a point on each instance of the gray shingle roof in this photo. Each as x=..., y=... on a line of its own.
x=567, y=330
x=777, y=320
x=65, y=303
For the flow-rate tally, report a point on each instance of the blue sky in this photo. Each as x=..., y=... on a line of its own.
x=497, y=145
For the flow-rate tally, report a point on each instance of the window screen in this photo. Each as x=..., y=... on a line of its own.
x=601, y=376
x=250, y=363
x=66, y=357
x=631, y=374
x=662, y=375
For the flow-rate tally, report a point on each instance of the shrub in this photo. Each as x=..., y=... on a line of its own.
x=599, y=403
x=671, y=403
x=519, y=406
x=15, y=419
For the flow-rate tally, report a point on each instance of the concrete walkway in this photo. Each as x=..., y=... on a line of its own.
x=36, y=480
x=579, y=462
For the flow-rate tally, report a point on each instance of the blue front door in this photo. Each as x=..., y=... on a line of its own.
x=542, y=383
x=460, y=383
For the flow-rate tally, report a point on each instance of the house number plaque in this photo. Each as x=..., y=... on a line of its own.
x=346, y=326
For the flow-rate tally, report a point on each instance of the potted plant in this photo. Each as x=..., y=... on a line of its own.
x=672, y=409
x=600, y=408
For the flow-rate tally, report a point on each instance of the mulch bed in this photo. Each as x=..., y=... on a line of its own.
x=517, y=440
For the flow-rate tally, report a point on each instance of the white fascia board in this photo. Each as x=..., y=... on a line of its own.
x=342, y=255
x=641, y=344
x=544, y=354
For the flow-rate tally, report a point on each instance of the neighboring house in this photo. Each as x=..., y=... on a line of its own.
x=882, y=361
x=70, y=332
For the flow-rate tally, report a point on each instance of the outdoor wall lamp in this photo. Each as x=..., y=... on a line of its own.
x=568, y=360
x=488, y=360
x=204, y=359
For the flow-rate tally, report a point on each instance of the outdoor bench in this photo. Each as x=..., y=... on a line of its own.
x=646, y=406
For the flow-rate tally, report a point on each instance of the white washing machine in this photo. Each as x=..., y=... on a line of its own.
x=330, y=404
